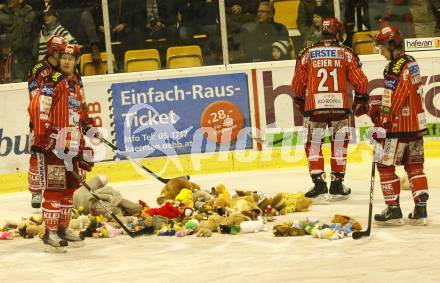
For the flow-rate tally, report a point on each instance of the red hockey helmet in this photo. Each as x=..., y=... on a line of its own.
x=73, y=50
x=332, y=26
x=390, y=37
x=55, y=44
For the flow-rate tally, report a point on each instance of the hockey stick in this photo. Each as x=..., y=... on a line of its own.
x=359, y=234
x=146, y=230
x=137, y=163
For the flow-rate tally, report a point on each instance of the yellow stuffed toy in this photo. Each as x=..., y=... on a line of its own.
x=295, y=202
x=222, y=194
x=185, y=197
x=173, y=188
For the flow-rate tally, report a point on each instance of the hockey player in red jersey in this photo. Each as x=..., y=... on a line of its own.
x=37, y=75
x=320, y=85
x=58, y=120
x=400, y=112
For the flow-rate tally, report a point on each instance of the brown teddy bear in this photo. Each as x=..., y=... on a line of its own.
x=207, y=227
x=303, y=204
x=287, y=230
x=173, y=188
x=344, y=219
x=276, y=202
x=29, y=228
x=236, y=218
x=254, y=194
x=244, y=204
x=200, y=198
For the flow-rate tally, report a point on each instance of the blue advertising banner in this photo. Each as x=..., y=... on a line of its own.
x=182, y=115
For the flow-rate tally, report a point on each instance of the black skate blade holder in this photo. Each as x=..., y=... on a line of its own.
x=135, y=162
x=132, y=234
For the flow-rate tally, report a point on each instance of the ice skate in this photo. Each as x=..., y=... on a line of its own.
x=53, y=243
x=419, y=217
x=75, y=240
x=338, y=191
x=391, y=215
x=319, y=192
x=36, y=200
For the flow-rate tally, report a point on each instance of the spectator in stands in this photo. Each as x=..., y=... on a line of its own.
x=241, y=10
x=119, y=18
x=314, y=33
x=259, y=37
x=78, y=17
x=18, y=21
x=38, y=6
x=7, y=74
x=424, y=20
x=306, y=9
x=281, y=50
x=50, y=28
x=435, y=5
x=154, y=19
x=238, y=13
x=201, y=17
x=121, y=32
x=398, y=14
x=356, y=18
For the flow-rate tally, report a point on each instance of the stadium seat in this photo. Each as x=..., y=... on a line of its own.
x=363, y=42
x=87, y=67
x=184, y=56
x=286, y=13
x=141, y=60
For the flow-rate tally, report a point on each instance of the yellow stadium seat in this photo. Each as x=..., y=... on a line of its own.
x=184, y=56
x=363, y=42
x=87, y=67
x=286, y=13
x=141, y=60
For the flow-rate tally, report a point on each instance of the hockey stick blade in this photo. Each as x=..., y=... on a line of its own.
x=137, y=163
x=359, y=234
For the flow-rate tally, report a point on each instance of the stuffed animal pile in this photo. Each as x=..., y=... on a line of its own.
x=186, y=209
x=183, y=208
x=340, y=227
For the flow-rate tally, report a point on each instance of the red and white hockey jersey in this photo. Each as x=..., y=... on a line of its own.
x=322, y=74
x=402, y=99
x=59, y=104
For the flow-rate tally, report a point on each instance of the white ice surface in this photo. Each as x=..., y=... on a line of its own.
x=390, y=254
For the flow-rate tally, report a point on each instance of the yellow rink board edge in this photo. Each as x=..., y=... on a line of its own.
x=196, y=164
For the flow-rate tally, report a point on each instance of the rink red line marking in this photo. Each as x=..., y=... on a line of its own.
x=256, y=106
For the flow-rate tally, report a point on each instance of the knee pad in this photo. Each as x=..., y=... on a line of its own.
x=387, y=173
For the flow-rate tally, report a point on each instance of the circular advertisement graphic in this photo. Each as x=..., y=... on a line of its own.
x=223, y=120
